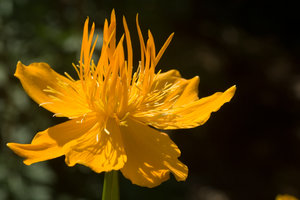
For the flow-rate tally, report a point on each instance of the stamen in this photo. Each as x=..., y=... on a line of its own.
x=41, y=104
x=97, y=137
x=57, y=114
x=83, y=117
x=53, y=91
x=70, y=77
x=106, y=131
x=55, y=98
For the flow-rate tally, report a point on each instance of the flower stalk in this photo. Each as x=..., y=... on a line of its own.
x=111, y=186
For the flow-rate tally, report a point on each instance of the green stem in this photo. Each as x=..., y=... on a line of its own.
x=111, y=186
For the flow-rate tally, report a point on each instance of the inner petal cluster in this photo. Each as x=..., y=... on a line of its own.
x=110, y=87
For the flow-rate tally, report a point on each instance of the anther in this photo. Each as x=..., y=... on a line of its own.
x=106, y=131
x=41, y=104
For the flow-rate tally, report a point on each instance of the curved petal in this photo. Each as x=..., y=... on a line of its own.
x=169, y=77
x=198, y=112
x=189, y=93
x=52, y=142
x=151, y=155
x=187, y=114
x=51, y=90
x=180, y=90
x=101, y=149
x=36, y=153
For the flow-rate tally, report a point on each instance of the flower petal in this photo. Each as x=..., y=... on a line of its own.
x=36, y=153
x=51, y=90
x=198, y=112
x=186, y=112
x=189, y=93
x=52, y=142
x=164, y=78
x=101, y=149
x=182, y=91
x=151, y=155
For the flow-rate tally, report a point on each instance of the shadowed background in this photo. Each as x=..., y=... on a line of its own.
x=250, y=149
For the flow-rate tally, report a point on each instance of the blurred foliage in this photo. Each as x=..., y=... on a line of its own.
x=250, y=149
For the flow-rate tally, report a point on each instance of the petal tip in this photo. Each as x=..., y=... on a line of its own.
x=27, y=162
x=229, y=93
x=232, y=89
x=19, y=67
x=197, y=80
x=11, y=145
x=172, y=35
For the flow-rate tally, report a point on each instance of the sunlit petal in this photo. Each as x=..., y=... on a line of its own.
x=178, y=90
x=151, y=156
x=51, y=90
x=101, y=148
x=189, y=114
x=54, y=141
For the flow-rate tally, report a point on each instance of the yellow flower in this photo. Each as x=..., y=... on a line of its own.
x=285, y=197
x=112, y=110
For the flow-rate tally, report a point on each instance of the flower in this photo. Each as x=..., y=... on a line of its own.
x=285, y=197
x=112, y=110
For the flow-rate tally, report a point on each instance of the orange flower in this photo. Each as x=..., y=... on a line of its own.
x=285, y=197
x=111, y=109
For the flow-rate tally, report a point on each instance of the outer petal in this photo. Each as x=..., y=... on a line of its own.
x=170, y=76
x=54, y=92
x=181, y=90
x=198, y=112
x=52, y=142
x=151, y=155
x=101, y=149
x=187, y=114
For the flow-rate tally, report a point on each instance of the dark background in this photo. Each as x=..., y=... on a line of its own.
x=249, y=150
